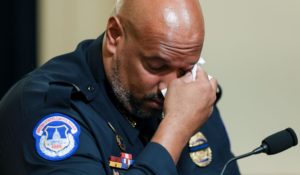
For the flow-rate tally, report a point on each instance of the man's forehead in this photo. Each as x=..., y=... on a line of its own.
x=183, y=61
x=165, y=46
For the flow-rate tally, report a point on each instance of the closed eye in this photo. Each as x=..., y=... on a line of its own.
x=156, y=65
x=158, y=68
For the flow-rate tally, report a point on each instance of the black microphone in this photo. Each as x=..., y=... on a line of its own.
x=273, y=144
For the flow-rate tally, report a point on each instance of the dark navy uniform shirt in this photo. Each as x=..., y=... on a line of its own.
x=56, y=121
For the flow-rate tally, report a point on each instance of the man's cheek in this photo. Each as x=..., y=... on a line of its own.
x=148, y=84
x=141, y=87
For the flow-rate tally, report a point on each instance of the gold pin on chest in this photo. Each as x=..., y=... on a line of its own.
x=119, y=139
x=131, y=122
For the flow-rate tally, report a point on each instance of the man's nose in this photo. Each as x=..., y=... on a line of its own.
x=166, y=79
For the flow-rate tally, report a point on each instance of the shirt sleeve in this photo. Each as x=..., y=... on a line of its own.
x=153, y=160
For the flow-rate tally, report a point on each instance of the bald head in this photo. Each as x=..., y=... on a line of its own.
x=170, y=17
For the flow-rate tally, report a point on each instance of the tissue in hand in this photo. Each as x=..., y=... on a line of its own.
x=201, y=61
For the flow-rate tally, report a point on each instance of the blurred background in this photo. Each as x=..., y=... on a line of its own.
x=252, y=47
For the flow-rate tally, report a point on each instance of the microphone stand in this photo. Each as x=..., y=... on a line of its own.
x=258, y=150
x=273, y=144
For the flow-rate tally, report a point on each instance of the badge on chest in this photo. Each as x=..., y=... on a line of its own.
x=200, y=151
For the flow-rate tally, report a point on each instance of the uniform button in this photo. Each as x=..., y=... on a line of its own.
x=91, y=88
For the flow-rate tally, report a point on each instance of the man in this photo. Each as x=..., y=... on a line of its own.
x=99, y=109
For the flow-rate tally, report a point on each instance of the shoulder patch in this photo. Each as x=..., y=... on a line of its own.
x=56, y=137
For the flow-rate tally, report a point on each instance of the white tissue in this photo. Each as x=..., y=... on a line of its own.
x=200, y=62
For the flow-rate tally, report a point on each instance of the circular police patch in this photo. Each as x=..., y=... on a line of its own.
x=56, y=137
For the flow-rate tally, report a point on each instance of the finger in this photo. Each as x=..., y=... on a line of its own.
x=214, y=84
x=187, y=78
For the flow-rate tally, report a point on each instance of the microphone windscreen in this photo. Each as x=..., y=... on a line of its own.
x=280, y=141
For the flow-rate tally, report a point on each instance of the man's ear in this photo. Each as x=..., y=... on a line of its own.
x=114, y=32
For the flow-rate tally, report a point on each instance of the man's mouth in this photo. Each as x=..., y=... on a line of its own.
x=155, y=101
x=158, y=101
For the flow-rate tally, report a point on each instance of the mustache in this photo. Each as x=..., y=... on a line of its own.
x=154, y=96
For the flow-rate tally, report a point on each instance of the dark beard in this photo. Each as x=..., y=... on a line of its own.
x=137, y=107
x=132, y=105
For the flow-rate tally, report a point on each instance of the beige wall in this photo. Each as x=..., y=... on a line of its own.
x=252, y=47
x=64, y=23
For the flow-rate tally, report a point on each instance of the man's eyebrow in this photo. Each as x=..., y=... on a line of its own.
x=158, y=58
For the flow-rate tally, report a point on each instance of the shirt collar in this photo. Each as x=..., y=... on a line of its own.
x=95, y=59
x=94, y=55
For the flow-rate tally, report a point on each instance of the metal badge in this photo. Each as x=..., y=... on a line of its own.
x=200, y=151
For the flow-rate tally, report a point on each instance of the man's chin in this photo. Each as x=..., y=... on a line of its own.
x=148, y=111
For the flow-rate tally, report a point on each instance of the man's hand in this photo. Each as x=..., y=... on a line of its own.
x=188, y=105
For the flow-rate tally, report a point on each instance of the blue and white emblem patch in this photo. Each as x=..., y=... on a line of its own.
x=56, y=137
